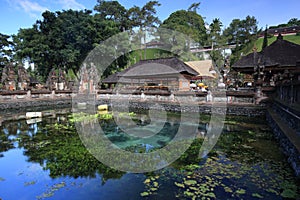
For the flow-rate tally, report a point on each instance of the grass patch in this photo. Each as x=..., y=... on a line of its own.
x=249, y=48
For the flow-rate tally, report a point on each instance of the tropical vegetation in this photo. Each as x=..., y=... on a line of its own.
x=63, y=39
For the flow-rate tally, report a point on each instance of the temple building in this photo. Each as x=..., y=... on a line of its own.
x=9, y=78
x=88, y=79
x=168, y=72
x=13, y=79
x=205, y=69
x=57, y=79
x=23, y=78
x=275, y=70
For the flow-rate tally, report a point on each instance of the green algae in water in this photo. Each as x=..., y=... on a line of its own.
x=245, y=163
x=29, y=183
x=257, y=195
x=52, y=190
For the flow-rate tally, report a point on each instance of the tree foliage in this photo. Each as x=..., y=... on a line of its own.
x=265, y=41
x=241, y=33
x=113, y=11
x=194, y=7
x=62, y=39
x=217, y=41
x=187, y=22
x=291, y=22
x=5, y=49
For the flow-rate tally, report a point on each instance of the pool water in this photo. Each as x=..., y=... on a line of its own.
x=45, y=159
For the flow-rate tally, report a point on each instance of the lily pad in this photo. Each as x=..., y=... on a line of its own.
x=179, y=185
x=189, y=194
x=257, y=195
x=147, y=181
x=241, y=191
x=190, y=182
x=153, y=189
x=288, y=193
x=228, y=189
x=144, y=194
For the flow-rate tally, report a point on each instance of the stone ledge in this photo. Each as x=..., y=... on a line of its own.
x=287, y=138
x=290, y=133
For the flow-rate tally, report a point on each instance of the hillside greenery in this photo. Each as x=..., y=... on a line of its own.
x=259, y=43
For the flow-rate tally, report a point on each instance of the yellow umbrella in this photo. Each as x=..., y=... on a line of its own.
x=200, y=84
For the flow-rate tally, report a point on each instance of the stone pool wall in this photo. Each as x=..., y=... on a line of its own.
x=285, y=126
x=206, y=108
x=34, y=104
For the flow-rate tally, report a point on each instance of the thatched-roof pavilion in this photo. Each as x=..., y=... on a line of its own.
x=170, y=72
x=280, y=55
x=276, y=65
x=203, y=67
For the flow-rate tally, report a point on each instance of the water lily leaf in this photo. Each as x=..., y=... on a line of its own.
x=272, y=191
x=194, y=188
x=144, y=194
x=190, y=182
x=228, y=189
x=179, y=185
x=241, y=191
x=153, y=189
x=210, y=194
x=189, y=194
x=147, y=181
x=288, y=193
x=257, y=195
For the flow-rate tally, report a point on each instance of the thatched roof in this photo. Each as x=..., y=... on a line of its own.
x=202, y=67
x=111, y=78
x=280, y=53
x=157, y=68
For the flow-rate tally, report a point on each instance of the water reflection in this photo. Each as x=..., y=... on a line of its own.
x=42, y=157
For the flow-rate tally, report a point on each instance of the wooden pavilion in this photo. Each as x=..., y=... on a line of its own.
x=204, y=68
x=277, y=67
x=169, y=72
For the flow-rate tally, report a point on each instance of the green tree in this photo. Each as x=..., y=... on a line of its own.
x=5, y=49
x=241, y=33
x=60, y=40
x=265, y=41
x=113, y=10
x=144, y=19
x=194, y=7
x=193, y=33
x=217, y=41
x=187, y=22
x=294, y=22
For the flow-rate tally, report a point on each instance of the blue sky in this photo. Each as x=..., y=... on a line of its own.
x=16, y=14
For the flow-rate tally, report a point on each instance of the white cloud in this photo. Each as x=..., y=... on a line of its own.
x=71, y=4
x=30, y=7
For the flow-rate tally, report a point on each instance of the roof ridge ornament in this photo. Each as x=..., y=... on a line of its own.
x=279, y=37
